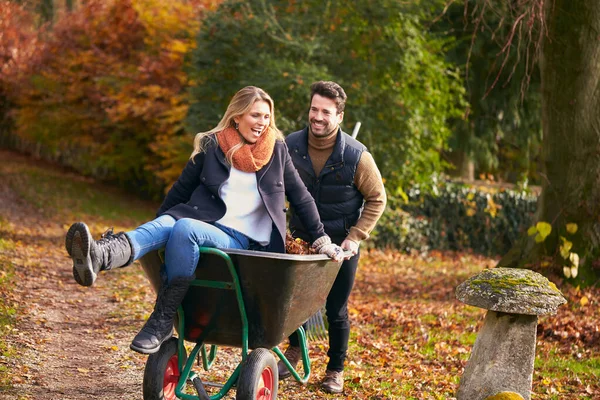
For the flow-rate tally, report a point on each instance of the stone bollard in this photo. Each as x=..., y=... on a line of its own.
x=504, y=352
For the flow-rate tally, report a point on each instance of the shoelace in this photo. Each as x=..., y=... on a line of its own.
x=108, y=235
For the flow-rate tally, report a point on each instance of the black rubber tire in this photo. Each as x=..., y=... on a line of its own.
x=156, y=368
x=259, y=371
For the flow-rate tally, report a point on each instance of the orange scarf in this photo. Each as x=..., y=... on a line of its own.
x=249, y=157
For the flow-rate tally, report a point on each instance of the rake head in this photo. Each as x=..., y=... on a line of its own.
x=316, y=328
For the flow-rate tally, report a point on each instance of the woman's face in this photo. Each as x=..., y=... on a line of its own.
x=253, y=123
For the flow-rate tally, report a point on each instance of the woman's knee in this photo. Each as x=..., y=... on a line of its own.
x=182, y=230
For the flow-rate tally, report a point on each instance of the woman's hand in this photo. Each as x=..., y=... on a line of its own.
x=323, y=245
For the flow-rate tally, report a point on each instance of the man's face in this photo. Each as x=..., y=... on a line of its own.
x=323, y=116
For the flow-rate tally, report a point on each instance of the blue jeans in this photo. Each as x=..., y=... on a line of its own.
x=182, y=240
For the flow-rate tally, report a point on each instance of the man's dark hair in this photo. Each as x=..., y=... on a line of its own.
x=332, y=91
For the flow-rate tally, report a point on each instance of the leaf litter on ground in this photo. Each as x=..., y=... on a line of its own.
x=410, y=337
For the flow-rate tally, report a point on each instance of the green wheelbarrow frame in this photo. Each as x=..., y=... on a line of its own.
x=250, y=284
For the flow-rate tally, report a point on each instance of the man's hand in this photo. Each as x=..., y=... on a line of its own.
x=351, y=246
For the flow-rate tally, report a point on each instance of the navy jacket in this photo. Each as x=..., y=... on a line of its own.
x=196, y=192
x=338, y=200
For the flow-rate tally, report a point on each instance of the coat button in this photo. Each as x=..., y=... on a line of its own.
x=279, y=183
x=304, y=157
x=212, y=197
x=195, y=207
x=203, y=178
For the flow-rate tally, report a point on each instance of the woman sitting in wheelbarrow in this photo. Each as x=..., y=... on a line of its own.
x=231, y=194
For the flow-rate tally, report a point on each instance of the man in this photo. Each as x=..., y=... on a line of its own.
x=347, y=187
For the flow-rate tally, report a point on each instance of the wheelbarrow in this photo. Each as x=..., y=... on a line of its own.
x=240, y=298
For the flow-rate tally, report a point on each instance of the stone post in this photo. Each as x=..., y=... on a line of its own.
x=504, y=352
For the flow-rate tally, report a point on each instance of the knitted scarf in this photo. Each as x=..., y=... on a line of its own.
x=249, y=157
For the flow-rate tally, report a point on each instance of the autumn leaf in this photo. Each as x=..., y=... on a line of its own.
x=544, y=229
x=572, y=228
x=565, y=248
x=584, y=301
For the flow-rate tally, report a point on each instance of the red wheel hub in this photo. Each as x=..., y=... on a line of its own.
x=171, y=378
x=265, y=385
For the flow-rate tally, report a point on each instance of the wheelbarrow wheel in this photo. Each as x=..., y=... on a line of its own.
x=162, y=372
x=258, y=378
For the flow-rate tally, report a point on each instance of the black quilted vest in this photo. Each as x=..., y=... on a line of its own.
x=338, y=200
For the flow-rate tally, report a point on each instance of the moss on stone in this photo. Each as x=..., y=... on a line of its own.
x=513, y=291
x=553, y=287
x=500, y=284
x=499, y=281
x=505, y=396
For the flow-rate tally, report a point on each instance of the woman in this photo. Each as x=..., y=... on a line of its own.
x=231, y=194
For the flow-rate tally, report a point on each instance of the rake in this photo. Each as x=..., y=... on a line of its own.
x=316, y=327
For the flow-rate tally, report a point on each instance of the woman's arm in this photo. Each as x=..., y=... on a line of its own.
x=301, y=200
x=185, y=185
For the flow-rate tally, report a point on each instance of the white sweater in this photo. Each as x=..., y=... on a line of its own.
x=246, y=211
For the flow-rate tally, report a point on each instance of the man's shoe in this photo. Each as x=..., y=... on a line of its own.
x=293, y=355
x=333, y=382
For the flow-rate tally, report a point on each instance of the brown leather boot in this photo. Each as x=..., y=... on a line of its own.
x=333, y=381
x=293, y=355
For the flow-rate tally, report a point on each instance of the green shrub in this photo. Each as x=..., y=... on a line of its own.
x=453, y=216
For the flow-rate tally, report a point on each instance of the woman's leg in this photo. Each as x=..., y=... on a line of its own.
x=112, y=250
x=181, y=257
x=150, y=236
x=188, y=235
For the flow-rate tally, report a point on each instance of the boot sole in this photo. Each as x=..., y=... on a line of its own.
x=78, y=246
x=332, y=391
x=149, y=351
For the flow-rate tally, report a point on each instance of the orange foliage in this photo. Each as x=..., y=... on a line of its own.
x=18, y=39
x=109, y=94
x=18, y=44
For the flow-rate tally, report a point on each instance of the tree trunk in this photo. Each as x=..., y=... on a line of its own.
x=46, y=10
x=570, y=75
x=464, y=166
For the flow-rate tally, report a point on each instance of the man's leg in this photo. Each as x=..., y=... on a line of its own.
x=339, y=325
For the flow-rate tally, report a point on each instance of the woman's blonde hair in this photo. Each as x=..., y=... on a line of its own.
x=240, y=104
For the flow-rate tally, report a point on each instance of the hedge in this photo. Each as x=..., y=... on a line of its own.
x=454, y=216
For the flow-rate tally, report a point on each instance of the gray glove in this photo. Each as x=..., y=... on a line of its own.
x=323, y=245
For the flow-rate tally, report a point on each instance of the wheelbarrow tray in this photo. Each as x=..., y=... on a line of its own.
x=280, y=292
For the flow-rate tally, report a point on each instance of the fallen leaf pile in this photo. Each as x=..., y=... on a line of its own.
x=297, y=246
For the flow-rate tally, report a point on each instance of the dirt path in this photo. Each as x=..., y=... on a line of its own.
x=76, y=338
